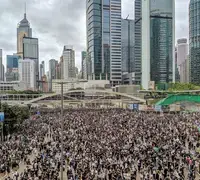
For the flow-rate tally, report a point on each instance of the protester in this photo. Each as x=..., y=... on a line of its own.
x=104, y=144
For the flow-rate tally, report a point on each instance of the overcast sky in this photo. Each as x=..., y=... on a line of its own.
x=62, y=22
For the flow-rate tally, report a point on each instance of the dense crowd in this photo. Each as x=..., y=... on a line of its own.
x=111, y=144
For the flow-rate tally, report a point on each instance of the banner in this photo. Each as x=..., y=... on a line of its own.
x=135, y=106
x=142, y=107
x=130, y=106
x=175, y=107
x=158, y=108
x=1, y=116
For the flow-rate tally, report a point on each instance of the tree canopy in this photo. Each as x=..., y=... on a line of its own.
x=14, y=115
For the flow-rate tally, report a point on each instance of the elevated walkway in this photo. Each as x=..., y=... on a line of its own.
x=171, y=99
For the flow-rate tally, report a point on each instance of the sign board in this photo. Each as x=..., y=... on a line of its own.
x=135, y=106
x=130, y=106
x=1, y=116
x=151, y=85
x=174, y=107
x=142, y=107
x=158, y=108
x=150, y=107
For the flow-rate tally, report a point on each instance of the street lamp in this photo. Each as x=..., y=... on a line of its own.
x=62, y=119
x=62, y=127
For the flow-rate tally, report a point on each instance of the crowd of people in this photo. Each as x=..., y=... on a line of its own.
x=107, y=144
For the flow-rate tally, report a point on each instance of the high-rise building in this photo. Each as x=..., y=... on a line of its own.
x=177, y=75
x=182, y=57
x=1, y=66
x=184, y=71
x=128, y=45
x=12, y=73
x=58, y=71
x=61, y=68
x=158, y=35
x=83, y=56
x=84, y=69
x=194, y=39
x=42, y=69
x=138, y=41
x=23, y=30
x=27, y=73
x=104, y=39
x=68, y=62
x=52, y=71
x=31, y=51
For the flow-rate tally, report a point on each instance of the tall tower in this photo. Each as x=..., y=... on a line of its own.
x=68, y=62
x=128, y=45
x=1, y=66
x=23, y=30
x=138, y=40
x=182, y=58
x=194, y=39
x=104, y=39
x=158, y=32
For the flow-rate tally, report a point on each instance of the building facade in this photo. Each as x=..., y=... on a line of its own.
x=104, y=39
x=128, y=45
x=42, y=69
x=68, y=62
x=177, y=75
x=138, y=41
x=27, y=73
x=52, y=71
x=158, y=35
x=23, y=30
x=182, y=58
x=83, y=57
x=184, y=71
x=12, y=73
x=31, y=51
x=194, y=41
x=1, y=66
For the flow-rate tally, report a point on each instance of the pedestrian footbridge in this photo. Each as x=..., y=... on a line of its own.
x=102, y=92
x=171, y=99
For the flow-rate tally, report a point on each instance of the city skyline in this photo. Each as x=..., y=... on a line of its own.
x=69, y=30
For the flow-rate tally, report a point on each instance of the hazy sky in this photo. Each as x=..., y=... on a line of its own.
x=62, y=22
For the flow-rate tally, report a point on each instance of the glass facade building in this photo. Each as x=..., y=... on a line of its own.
x=158, y=63
x=128, y=45
x=194, y=41
x=31, y=51
x=138, y=39
x=161, y=34
x=12, y=61
x=104, y=39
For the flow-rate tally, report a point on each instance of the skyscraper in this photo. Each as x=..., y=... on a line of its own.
x=194, y=39
x=182, y=58
x=12, y=73
x=68, y=62
x=42, y=69
x=23, y=30
x=158, y=32
x=138, y=41
x=52, y=68
x=31, y=51
x=104, y=39
x=1, y=67
x=128, y=45
x=83, y=56
x=52, y=71
x=27, y=73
